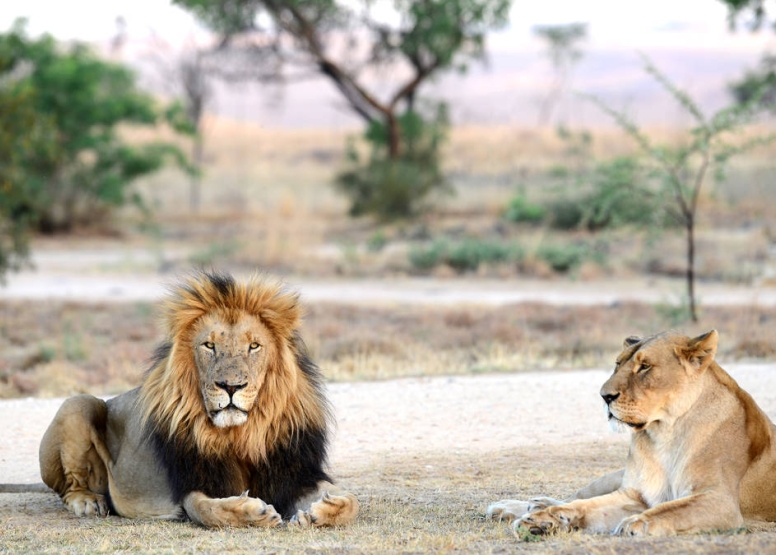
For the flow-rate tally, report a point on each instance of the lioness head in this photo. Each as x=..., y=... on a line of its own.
x=231, y=359
x=657, y=378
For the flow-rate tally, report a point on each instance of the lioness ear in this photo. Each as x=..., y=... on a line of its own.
x=630, y=341
x=700, y=351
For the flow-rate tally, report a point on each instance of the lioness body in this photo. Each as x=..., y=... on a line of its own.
x=229, y=427
x=702, y=454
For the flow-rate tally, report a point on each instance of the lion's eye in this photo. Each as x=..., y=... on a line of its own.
x=209, y=345
x=254, y=347
x=644, y=367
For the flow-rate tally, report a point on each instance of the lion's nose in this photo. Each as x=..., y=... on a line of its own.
x=609, y=397
x=231, y=388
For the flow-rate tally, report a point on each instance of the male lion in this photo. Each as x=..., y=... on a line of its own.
x=702, y=453
x=228, y=429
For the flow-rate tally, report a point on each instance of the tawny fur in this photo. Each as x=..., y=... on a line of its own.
x=229, y=427
x=171, y=396
x=702, y=454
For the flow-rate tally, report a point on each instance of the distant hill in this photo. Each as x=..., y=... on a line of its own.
x=509, y=90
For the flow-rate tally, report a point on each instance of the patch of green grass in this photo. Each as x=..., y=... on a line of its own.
x=464, y=256
x=521, y=210
x=377, y=241
x=562, y=258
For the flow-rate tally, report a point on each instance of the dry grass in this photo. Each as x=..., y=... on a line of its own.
x=429, y=503
x=60, y=348
x=267, y=201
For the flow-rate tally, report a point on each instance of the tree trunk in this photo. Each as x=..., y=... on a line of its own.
x=194, y=187
x=691, y=267
x=394, y=139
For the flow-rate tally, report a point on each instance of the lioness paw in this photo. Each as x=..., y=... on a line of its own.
x=507, y=509
x=636, y=525
x=86, y=503
x=538, y=503
x=329, y=510
x=545, y=521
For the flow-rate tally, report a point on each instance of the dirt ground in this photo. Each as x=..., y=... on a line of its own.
x=425, y=456
x=503, y=407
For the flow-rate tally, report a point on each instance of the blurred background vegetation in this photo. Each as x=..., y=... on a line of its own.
x=104, y=145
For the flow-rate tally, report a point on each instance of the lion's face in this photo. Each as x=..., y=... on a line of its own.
x=231, y=360
x=657, y=378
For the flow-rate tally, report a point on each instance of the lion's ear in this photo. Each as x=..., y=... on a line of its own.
x=700, y=350
x=630, y=341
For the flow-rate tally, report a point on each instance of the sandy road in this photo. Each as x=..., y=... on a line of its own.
x=396, y=418
x=107, y=287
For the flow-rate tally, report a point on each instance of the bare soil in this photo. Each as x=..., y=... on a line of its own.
x=424, y=455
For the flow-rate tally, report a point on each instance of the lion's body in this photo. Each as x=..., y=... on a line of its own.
x=231, y=418
x=702, y=453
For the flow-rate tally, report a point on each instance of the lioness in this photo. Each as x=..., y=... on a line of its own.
x=229, y=427
x=702, y=453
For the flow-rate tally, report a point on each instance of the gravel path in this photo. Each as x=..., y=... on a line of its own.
x=469, y=414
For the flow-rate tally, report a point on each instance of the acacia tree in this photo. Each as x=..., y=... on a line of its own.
x=681, y=171
x=564, y=53
x=347, y=42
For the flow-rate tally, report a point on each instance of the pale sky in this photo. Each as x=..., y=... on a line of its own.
x=630, y=24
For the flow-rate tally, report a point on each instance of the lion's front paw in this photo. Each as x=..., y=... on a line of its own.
x=252, y=511
x=86, y=503
x=329, y=510
x=545, y=521
x=507, y=509
x=239, y=510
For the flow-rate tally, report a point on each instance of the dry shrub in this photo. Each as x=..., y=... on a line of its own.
x=63, y=348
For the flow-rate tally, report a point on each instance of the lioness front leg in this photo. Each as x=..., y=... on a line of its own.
x=327, y=506
x=598, y=515
x=74, y=460
x=237, y=511
x=694, y=513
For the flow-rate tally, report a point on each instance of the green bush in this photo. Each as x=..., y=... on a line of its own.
x=565, y=213
x=561, y=258
x=615, y=194
x=520, y=210
x=73, y=168
x=463, y=256
x=427, y=258
x=394, y=188
x=377, y=241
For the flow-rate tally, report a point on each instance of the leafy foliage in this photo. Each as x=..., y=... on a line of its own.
x=464, y=256
x=758, y=85
x=521, y=210
x=73, y=167
x=291, y=39
x=681, y=171
x=392, y=188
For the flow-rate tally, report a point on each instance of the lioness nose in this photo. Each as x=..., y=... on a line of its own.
x=609, y=397
x=230, y=388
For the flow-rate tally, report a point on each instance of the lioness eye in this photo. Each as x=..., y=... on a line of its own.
x=209, y=345
x=254, y=346
x=644, y=367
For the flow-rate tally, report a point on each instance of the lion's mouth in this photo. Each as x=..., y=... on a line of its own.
x=229, y=407
x=638, y=426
